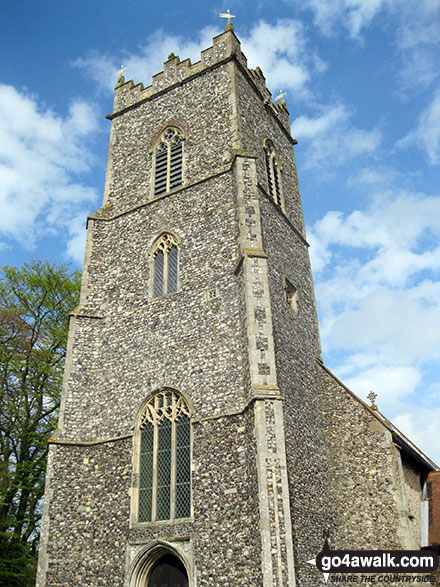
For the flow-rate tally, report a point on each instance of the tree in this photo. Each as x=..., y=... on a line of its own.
x=35, y=302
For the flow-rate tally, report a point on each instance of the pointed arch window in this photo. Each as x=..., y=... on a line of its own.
x=165, y=458
x=165, y=266
x=273, y=172
x=168, y=162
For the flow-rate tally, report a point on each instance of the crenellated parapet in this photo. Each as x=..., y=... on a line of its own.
x=260, y=81
x=226, y=46
x=281, y=111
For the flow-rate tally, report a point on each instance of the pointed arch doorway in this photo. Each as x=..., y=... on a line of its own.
x=168, y=571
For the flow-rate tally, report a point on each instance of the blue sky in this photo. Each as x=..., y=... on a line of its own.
x=363, y=91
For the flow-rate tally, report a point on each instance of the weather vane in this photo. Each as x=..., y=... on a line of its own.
x=121, y=71
x=281, y=95
x=228, y=15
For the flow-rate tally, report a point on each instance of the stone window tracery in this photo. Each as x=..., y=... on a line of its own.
x=165, y=266
x=273, y=172
x=165, y=458
x=168, y=162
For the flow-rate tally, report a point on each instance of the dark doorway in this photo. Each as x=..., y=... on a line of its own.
x=168, y=572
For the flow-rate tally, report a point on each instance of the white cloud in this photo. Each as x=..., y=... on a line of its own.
x=421, y=426
x=427, y=133
x=315, y=128
x=147, y=61
x=367, y=177
x=393, y=224
x=101, y=68
x=77, y=238
x=330, y=132
x=42, y=157
x=392, y=384
x=352, y=14
x=399, y=325
x=418, y=22
x=377, y=280
x=414, y=25
x=415, y=20
x=280, y=51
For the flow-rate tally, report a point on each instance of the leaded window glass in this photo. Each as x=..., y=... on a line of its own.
x=165, y=266
x=273, y=173
x=165, y=459
x=168, y=172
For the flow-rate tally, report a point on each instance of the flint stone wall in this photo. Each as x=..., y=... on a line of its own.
x=91, y=542
x=184, y=340
x=373, y=499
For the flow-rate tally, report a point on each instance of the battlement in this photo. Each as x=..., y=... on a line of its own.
x=175, y=71
x=225, y=46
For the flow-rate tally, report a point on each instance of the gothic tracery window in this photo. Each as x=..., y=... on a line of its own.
x=165, y=458
x=165, y=266
x=273, y=172
x=168, y=160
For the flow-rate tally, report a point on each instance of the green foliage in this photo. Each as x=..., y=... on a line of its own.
x=35, y=301
x=17, y=565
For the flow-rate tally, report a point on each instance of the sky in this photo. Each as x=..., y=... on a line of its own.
x=363, y=92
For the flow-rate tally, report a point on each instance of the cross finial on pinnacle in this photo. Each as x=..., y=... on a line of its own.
x=229, y=26
x=372, y=397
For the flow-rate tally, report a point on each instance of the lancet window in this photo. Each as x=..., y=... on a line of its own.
x=273, y=172
x=165, y=458
x=165, y=266
x=168, y=162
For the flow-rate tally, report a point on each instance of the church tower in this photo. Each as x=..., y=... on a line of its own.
x=190, y=443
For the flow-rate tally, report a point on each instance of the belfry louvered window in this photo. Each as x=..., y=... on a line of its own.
x=273, y=173
x=165, y=458
x=165, y=266
x=168, y=172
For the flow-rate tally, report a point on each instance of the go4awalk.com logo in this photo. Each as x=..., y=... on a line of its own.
x=373, y=562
